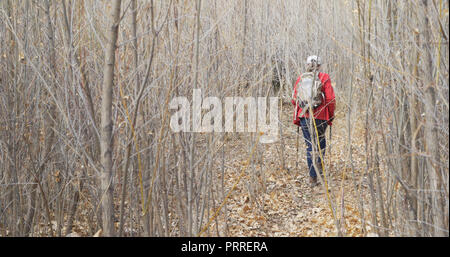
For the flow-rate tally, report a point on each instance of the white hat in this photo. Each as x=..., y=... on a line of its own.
x=313, y=58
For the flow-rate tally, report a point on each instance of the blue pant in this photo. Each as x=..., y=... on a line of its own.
x=306, y=129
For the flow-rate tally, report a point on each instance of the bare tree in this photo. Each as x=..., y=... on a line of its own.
x=106, y=143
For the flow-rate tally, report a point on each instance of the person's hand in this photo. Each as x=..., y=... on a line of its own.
x=330, y=121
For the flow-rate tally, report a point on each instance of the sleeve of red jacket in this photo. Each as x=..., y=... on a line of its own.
x=294, y=95
x=330, y=100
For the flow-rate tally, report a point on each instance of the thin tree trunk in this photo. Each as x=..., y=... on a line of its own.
x=431, y=133
x=106, y=141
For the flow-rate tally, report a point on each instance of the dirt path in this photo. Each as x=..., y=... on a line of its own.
x=288, y=206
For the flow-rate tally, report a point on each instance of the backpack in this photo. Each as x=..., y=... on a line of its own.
x=309, y=91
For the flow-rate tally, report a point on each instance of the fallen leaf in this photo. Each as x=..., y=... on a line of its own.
x=98, y=234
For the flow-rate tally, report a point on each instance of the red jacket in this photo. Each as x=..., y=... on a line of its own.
x=324, y=111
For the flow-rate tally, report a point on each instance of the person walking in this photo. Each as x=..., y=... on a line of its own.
x=313, y=91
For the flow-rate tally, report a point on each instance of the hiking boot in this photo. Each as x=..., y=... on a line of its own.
x=313, y=181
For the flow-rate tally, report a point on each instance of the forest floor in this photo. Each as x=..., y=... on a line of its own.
x=273, y=201
x=287, y=205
